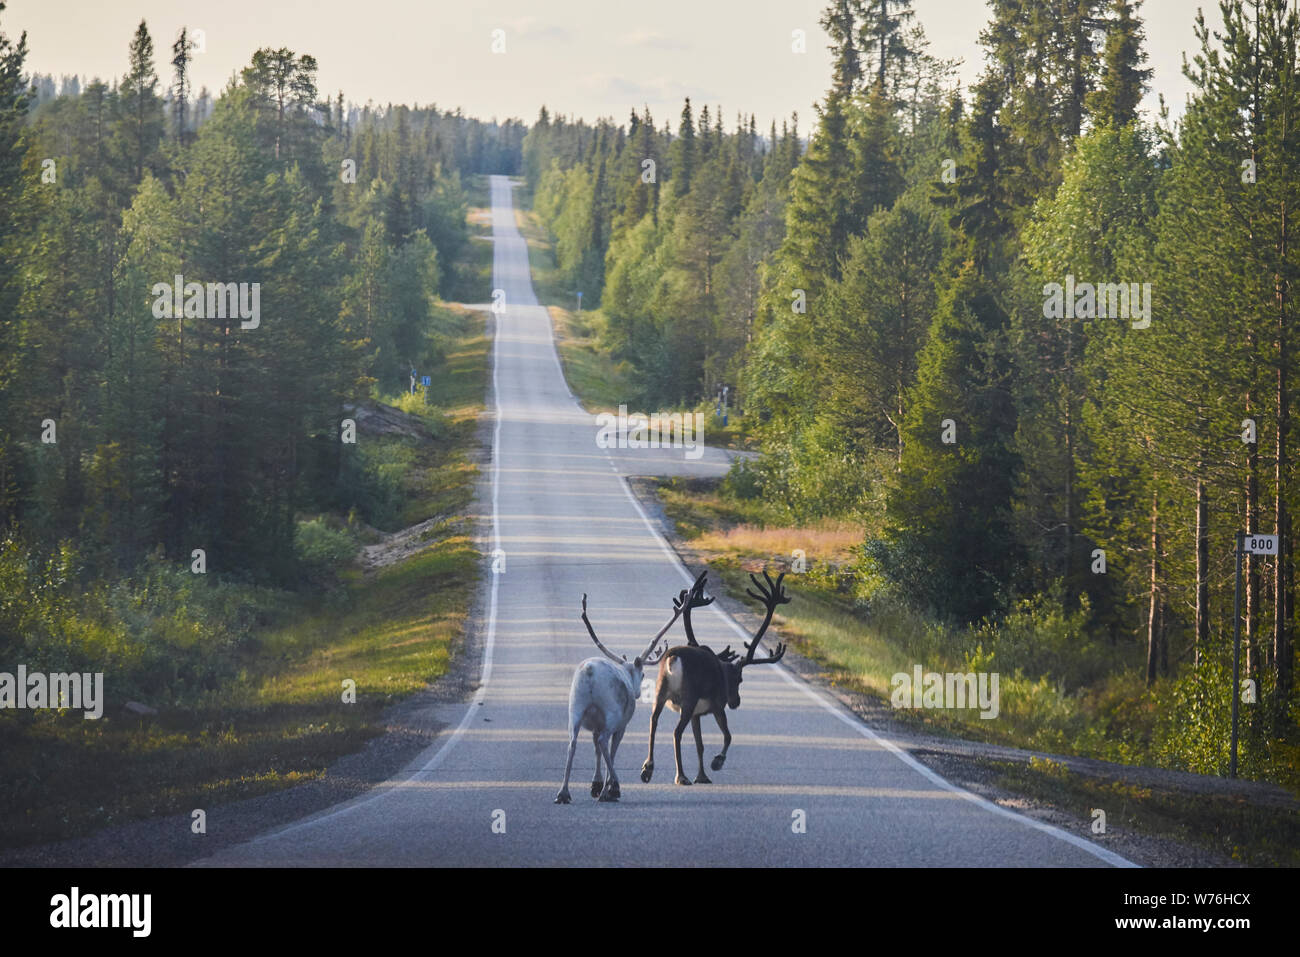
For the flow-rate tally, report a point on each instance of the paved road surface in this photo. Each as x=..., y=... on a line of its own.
x=568, y=525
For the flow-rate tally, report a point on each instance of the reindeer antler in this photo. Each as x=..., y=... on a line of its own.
x=657, y=658
x=771, y=596
x=622, y=658
x=591, y=631
x=645, y=655
x=692, y=598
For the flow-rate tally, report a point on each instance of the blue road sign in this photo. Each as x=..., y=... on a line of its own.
x=425, y=381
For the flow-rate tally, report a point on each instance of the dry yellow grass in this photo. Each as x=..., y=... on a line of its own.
x=827, y=542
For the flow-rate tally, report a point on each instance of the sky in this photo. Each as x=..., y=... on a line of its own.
x=586, y=58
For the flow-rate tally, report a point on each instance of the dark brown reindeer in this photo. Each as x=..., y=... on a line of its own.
x=695, y=681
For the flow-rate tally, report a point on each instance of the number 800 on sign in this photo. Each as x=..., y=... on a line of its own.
x=1260, y=544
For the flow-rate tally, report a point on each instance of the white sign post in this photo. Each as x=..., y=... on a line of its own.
x=1247, y=544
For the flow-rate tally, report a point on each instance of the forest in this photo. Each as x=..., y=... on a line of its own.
x=886, y=304
x=127, y=434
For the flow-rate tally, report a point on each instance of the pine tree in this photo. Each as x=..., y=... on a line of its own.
x=283, y=86
x=1093, y=227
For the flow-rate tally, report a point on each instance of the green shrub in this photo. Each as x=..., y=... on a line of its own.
x=164, y=636
x=1041, y=637
x=322, y=548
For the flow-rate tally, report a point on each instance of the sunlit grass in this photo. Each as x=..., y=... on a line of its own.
x=828, y=541
x=860, y=645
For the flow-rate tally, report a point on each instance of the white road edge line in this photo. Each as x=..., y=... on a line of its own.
x=835, y=708
x=485, y=669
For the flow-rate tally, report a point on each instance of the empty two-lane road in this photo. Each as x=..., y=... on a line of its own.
x=482, y=795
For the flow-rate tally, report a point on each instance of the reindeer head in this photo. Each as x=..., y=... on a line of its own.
x=771, y=595
x=732, y=664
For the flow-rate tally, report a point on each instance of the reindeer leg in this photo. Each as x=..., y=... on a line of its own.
x=610, y=793
x=563, y=796
x=614, y=742
x=720, y=759
x=598, y=782
x=687, y=708
x=700, y=778
x=661, y=697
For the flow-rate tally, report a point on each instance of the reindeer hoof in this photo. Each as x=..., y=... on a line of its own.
x=681, y=779
x=614, y=792
x=717, y=762
x=647, y=771
x=608, y=796
x=563, y=798
x=702, y=778
x=596, y=787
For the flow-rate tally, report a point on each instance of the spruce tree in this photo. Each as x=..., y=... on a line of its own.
x=949, y=542
x=1123, y=82
x=182, y=54
x=883, y=39
x=141, y=125
x=683, y=162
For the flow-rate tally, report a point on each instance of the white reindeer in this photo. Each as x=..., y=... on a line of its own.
x=601, y=700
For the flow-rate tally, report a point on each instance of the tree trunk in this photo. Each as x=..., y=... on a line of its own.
x=1068, y=551
x=1162, y=639
x=1202, y=567
x=1282, y=598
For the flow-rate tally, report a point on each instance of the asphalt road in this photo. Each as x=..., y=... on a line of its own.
x=567, y=524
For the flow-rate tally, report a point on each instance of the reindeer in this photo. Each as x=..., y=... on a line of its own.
x=695, y=681
x=601, y=699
